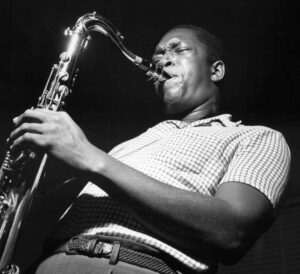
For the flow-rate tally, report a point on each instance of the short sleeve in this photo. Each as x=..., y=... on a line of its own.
x=261, y=160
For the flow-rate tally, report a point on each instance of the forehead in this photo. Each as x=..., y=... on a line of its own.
x=179, y=35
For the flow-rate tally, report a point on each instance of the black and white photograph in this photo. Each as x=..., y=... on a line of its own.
x=145, y=137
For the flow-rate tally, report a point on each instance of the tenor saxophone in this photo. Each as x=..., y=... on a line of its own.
x=21, y=172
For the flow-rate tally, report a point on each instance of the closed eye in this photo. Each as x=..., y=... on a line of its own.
x=180, y=49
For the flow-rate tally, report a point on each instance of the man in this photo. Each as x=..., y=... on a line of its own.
x=181, y=197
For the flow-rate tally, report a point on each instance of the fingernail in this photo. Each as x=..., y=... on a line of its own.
x=15, y=119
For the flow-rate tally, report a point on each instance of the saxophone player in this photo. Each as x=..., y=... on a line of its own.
x=189, y=193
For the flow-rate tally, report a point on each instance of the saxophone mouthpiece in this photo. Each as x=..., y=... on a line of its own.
x=153, y=76
x=155, y=72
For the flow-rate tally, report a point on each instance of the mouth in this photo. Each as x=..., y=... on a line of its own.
x=170, y=90
x=173, y=72
x=175, y=80
x=162, y=82
x=167, y=88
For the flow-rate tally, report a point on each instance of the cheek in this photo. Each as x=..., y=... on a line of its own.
x=195, y=71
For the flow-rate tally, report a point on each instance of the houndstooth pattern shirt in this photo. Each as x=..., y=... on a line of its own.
x=198, y=157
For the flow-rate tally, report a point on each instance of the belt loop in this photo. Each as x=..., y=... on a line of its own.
x=114, y=253
x=90, y=247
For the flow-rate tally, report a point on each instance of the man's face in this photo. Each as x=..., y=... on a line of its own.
x=185, y=58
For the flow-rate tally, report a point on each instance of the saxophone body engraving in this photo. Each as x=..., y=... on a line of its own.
x=21, y=172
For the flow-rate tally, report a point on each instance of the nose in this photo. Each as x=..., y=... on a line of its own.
x=166, y=63
x=167, y=60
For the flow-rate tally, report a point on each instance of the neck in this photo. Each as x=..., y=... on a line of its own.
x=208, y=108
x=205, y=110
x=200, y=112
x=197, y=114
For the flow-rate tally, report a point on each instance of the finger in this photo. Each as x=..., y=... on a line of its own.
x=53, y=114
x=28, y=138
x=27, y=127
x=35, y=115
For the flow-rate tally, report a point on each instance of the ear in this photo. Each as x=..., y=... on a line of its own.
x=217, y=71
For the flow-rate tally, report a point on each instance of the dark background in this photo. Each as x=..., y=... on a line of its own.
x=112, y=101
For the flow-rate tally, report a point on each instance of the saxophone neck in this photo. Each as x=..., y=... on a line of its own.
x=92, y=22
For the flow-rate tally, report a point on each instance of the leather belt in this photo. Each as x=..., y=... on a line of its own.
x=116, y=249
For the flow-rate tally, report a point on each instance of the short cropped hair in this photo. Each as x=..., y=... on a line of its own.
x=214, y=46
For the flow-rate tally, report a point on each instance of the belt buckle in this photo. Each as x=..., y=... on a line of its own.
x=105, y=249
x=91, y=247
x=69, y=250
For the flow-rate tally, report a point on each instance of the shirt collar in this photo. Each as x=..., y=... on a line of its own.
x=223, y=120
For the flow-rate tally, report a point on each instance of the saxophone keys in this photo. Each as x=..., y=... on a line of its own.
x=68, y=32
x=64, y=57
x=64, y=90
x=64, y=76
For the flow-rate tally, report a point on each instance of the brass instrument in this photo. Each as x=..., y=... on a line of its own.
x=21, y=172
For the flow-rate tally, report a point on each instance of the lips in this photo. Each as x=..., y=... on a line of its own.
x=173, y=71
x=170, y=90
x=175, y=80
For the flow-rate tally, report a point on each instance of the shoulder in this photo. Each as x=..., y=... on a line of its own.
x=262, y=160
x=255, y=135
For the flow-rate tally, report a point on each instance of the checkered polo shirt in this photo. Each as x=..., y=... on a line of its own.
x=196, y=156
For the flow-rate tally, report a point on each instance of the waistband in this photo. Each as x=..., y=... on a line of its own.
x=117, y=249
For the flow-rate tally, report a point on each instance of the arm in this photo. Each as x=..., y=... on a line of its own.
x=190, y=221
x=225, y=224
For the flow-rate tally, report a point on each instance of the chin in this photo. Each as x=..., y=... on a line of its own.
x=170, y=106
x=172, y=95
x=173, y=110
x=173, y=104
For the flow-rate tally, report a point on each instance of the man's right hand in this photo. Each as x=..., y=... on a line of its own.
x=55, y=133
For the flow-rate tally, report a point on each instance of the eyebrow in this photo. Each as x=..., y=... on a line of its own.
x=172, y=44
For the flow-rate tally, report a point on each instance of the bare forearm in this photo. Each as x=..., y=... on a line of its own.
x=170, y=212
x=178, y=216
x=185, y=219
